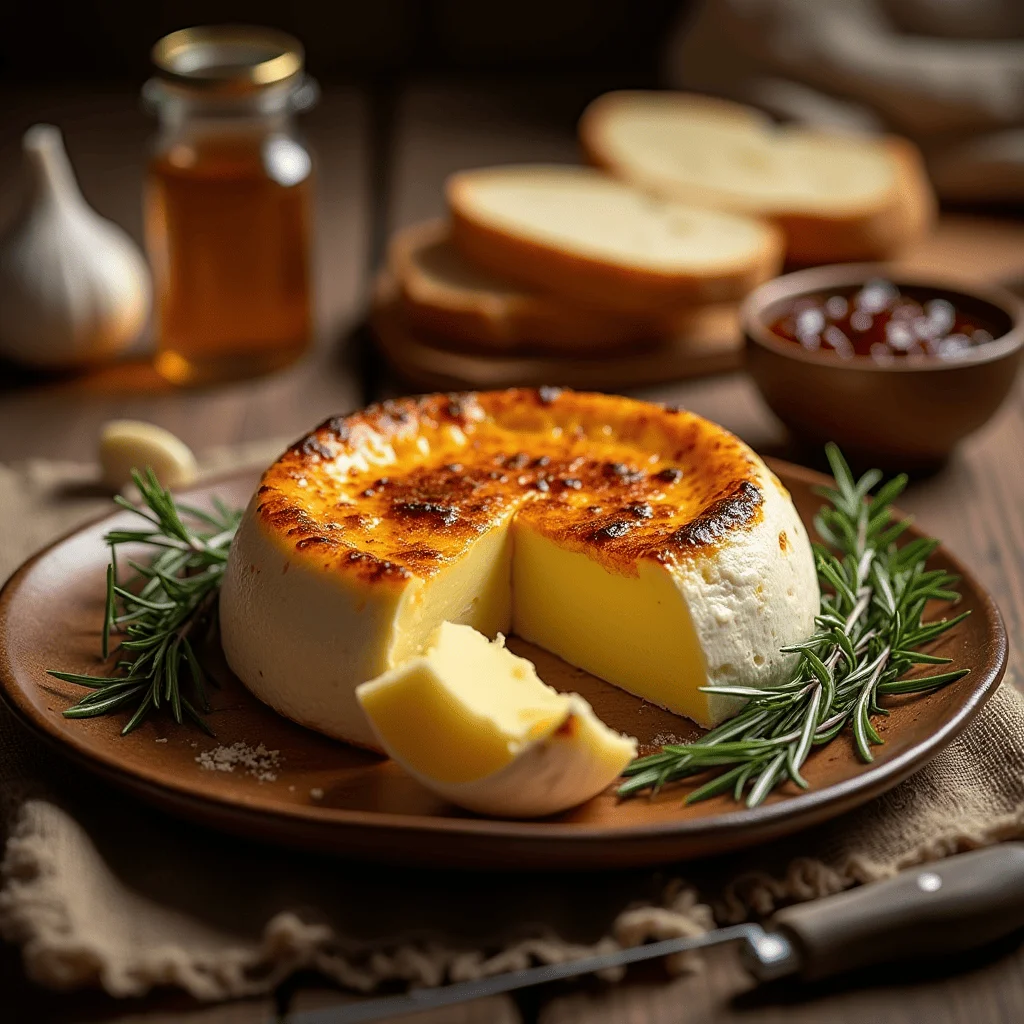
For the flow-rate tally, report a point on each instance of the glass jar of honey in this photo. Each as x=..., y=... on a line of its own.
x=228, y=203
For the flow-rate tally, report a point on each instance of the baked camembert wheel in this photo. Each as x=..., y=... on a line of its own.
x=643, y=544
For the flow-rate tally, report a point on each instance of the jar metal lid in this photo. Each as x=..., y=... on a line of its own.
x=228, y=59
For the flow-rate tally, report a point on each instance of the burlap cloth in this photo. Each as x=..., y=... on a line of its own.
x=98, y=889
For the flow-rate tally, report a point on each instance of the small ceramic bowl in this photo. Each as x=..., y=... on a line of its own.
x=906, y=413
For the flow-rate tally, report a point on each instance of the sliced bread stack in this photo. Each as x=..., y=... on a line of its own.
x=836, y=197
x=569, y=260
x=450, y=297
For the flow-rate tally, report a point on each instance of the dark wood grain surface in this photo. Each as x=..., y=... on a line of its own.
x=408, y=142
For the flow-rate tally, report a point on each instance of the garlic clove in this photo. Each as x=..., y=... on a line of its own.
x=74, y=287
x=135, y=444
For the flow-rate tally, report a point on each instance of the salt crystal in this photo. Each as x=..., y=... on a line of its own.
x=260, y=763
x=161, y=739
x=316, y=793
x=666, y=739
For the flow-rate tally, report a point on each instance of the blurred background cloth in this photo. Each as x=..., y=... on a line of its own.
x=948, y=74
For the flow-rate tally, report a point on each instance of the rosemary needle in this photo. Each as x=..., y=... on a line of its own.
x=158, y=608
x=867, y=636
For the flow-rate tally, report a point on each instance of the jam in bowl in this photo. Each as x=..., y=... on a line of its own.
x=895, y=367
x=880, y=320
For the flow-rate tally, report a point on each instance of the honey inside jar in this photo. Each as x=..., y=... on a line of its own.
x=229, y=203
x=228, y=225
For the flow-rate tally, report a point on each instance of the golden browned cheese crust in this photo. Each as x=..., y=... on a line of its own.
x=619, y=479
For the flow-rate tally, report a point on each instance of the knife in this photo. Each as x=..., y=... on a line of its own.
x=949, y=907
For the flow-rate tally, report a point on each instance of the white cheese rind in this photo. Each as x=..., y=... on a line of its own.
x=757, y=593
x=473, y=723
x=563, y=770
x=717, y=616
x=302, y=639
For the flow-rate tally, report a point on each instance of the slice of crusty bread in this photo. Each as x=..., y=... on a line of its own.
x=445, y=294
x=579, y=234
x=836, y=197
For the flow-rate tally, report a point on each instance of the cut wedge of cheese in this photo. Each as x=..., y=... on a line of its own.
x=836, y=196
x=644, y=544
x=443, y=293
x=475, y=724
x=580, y=234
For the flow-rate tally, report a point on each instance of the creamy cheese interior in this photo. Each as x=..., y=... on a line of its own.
x=476, y=590
x=634, y=631
x=661, y=633
x=475, y=724
x=463, y=709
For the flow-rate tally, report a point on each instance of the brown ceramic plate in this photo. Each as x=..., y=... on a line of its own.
x=331, y=797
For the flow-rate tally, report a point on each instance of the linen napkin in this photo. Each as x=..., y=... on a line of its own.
x=98, y=889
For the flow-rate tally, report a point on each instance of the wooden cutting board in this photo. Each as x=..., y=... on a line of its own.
x=712, y=345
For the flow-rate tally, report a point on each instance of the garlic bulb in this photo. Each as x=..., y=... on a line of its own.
x=74, y=288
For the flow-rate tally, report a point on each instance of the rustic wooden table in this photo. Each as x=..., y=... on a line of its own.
x=404, y=145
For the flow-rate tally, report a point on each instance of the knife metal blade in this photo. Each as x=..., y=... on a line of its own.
x=771, y=955
x=951, y=906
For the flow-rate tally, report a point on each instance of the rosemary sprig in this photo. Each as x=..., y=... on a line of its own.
x=158, y=608
x=868, y=633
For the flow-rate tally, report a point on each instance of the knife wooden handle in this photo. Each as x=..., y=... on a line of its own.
x=947, y=907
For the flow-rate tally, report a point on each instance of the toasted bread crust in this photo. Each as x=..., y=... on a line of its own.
x=507, y=320
x=597, y=283
x=401, y=489
x=875, y=234
x=703, y=342
x=812, y=235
